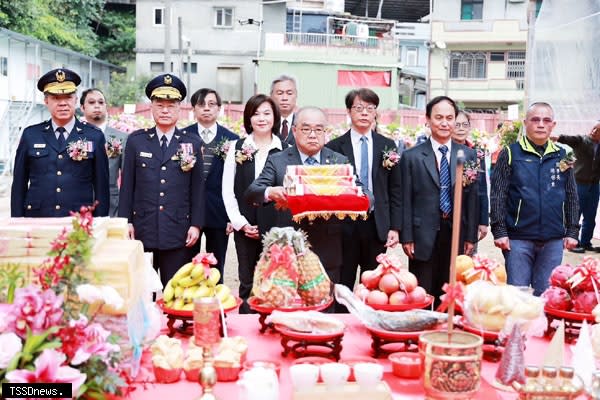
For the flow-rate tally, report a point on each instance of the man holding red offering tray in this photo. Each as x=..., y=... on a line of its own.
x=324, y=236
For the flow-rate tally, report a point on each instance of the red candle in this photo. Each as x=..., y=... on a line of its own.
x=206, y=321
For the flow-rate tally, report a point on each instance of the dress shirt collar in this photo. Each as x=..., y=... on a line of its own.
x=211, y=136
x=436, y=146
x=316, y=156
x=68, y=126
x=275, y=142
x=168, y=134
x=355, y=136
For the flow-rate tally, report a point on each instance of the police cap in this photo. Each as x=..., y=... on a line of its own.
x=59, y=81
x=166, y=86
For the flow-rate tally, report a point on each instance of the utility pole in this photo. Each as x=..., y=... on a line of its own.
x=529, y=51
x=167, y=23
x=180, y=45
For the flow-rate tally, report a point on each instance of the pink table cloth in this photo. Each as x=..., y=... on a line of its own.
x=356, y=342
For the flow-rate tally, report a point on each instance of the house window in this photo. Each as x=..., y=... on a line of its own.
x=412, y=56
x=229, y=83
x=159, y=16
x=468, y=65
x=515, y=66
x=471, y=9
x=3, y=66
x=157, y=66
x=224, y=17
x=497, y=56
x=193, y=70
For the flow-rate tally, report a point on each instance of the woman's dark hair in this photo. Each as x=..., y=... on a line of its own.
x=252, y=105
x=437, y=100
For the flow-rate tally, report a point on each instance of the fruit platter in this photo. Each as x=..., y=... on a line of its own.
x=389, y=287
x=572, y=296
x=265, y=310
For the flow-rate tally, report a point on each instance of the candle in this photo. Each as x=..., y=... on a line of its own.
x=206, y=321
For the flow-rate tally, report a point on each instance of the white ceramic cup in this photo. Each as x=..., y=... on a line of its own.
x=334, y=374
x=304, y=376
x=368, y=375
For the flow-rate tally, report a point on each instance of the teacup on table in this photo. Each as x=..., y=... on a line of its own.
x=334, y=374
x=304, y=376
x=368, y=375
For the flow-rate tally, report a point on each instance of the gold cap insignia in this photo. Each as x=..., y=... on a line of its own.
x=168, y=80
x=60, y=75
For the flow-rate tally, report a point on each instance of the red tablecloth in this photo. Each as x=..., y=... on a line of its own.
x=356, y=342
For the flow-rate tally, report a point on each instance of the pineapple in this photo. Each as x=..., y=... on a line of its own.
x=314, y=286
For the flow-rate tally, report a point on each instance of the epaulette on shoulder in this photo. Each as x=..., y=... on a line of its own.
x=143, y=131
x=91, y=126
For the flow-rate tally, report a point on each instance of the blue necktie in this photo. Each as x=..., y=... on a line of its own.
x=445, y=204
x=163, y=145
x=61, y=136
x=364, y=162
x=311, y=161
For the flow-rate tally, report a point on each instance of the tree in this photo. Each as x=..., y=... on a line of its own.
x=117, y=39
x=126, y=89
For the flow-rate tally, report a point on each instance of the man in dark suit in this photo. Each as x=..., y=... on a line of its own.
x=428, y=177
x=284, y=92
x=162, y=190
x=325, y=237
x=368, y=152
x=60, y=164
x=93, y=104
x=207, y=104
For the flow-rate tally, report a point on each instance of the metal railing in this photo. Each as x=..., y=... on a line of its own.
x=371, y=44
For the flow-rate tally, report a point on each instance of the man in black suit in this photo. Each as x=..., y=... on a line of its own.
x=60, y=164
x=428, y=177
x=284, y=92
x=207, y=105
x=94, y=107
x=363, y=240
x=162, y=190
x=325, y=237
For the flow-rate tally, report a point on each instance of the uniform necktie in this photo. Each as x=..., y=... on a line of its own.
x=61, y=136
x=284, y=129
x=163, y=144
x=445, y=205
x=364, y=162
x=206, y=135
x=311, y=161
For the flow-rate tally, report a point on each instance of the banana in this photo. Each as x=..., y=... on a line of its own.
x=189, y=281
x=222, y=292
x=169, y=292
x=188, y=294
x=197, y=271
x=188, y=307
x=214, y=276
x=183, y=271
x=229, y=302
x=169, y=304
x=178, y=304
x=203, y=291
x=178, y=291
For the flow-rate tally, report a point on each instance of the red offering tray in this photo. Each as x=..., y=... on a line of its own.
x=573, y=321
x=302, y=344
x=341, y=206
x=492, y=347
x=264, y=310
x=403, y=307
x=185, y=317
x=382, y=341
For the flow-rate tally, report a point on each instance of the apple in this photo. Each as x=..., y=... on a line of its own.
x=389, y=284
x=408, y=280
x=377, y=297
x=399, y=297
x=418, y=295
x=370, y=279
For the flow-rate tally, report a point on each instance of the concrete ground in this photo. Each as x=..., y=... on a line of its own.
x=486, y=247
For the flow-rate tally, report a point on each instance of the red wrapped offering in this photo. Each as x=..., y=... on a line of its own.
x=341, y=206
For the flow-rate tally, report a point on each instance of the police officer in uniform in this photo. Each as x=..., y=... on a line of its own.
x=60, y=164
x=162, y=187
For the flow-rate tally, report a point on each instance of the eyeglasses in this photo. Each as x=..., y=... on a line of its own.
x=464, y=125
x=537, y=120
x=306, y=131
x=360, y=108
x=210, y=104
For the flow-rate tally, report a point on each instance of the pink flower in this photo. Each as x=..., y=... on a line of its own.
x=92, y=341
x=49, y=368
x=10, y=345
x=36, y=309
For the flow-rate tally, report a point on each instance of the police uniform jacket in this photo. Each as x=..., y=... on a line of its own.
x=160, y=199
x=49, y=183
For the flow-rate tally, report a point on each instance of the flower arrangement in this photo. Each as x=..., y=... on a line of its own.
x=79, y=149
x=185, y=156
x=390, y=158
x=246, y=153
x=46, y=335
x=470, y=172
x=222, y=148
x=567, y=162
x=114, y=147
x=509, y=132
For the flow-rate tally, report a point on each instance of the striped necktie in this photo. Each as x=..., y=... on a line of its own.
x=445, y=204
x=311, y=161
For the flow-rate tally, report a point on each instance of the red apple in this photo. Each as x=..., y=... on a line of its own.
x=389, y=284
x=418, y=295
x=377, y=297
x=399, y=297
x=370, y=279
x=408, y=280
